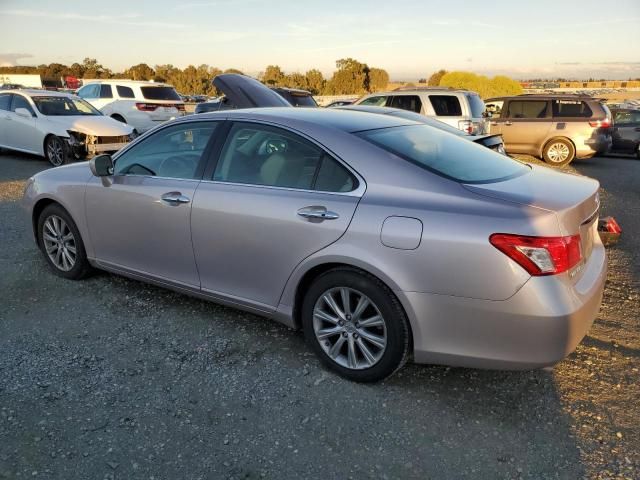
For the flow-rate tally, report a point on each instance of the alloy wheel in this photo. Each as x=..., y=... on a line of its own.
x=55, y=151
x=350, y=328
x=558, y=152
x=59, y=243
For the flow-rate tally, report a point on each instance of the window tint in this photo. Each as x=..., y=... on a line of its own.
x=173, y=152
x=406, y=102
x=378, y=101
x=5, y=100
x=160, y=93
x=527, y=109
x=20, y=102
x=626, y=117
x=125, y=92
x=477, y=105
x=89, y=91
x=263, y=155
x=445, y=154
x=446, y=105
x=570, y=108
x=105, y=91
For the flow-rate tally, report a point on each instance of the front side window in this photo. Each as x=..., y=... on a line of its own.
x=105, y=91
x=377, y=101
x=263, y=155
x=411, y=103
x=570, y=108
x=160, y=93
x=445, y=154
x=173, y=152
x=64, y=106
x=527, y=109
x=5, y=101
x=125, y=92
x=495, y=108
x=446, y=105
x=20, y=102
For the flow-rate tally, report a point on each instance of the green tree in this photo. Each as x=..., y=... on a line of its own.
x=378, y=79
x=273, y=76
x=485, y=86
x=315, y=81
x=142, y=71
x=351, y=77
x=435, y=78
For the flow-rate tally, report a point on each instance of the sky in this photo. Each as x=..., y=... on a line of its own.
x=409, y=38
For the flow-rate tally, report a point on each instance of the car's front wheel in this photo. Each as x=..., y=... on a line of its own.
x=55, y=150
x=559, y=152
x=356, y=325
x=60, y=241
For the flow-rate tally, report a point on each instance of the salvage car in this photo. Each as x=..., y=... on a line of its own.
x=379, y=236
x=59, y=126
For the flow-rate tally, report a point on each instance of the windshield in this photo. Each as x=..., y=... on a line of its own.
x=63, y=106
x=302, y=101
x=160, y=93
x=477, y=106
x=445, y=154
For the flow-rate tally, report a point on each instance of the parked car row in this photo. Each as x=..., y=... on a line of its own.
x=378, y=235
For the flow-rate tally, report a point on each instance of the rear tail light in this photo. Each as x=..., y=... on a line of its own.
x=605, y=123
x=540, y=255
x=147, y=107
x=466, y=126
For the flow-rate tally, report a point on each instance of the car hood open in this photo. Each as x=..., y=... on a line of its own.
x=98, y=125
x=247, y=92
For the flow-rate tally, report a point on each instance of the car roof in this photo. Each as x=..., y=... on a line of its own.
x=347, y=121
x=413, y=91
x=544, y=96
x=122, y=81
x=33, y=92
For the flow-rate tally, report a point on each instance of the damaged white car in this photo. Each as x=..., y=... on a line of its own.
x=59, y=126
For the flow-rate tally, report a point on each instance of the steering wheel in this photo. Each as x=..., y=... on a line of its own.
x=138, y=165
x=178, y=166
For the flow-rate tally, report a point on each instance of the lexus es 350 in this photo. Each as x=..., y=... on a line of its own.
x=381, y=237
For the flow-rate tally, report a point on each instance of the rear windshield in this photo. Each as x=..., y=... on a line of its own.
x=477, y=106
x=302, y=101
x=160, y=93
x=445, y=154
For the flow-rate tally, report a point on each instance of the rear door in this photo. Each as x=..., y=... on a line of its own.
x=272, y=199
x=412, y=103
x=447, y=109
x=626, y=130
x=524, y=125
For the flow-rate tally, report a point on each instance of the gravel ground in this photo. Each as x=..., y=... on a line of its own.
x=113, y=379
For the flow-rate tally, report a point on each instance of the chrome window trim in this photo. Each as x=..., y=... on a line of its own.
x=358, y=192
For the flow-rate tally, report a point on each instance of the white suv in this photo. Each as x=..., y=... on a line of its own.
x=461, y=109
x=143, y=105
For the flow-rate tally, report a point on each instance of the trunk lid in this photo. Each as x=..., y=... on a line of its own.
x=574, y=200
x=247, y=92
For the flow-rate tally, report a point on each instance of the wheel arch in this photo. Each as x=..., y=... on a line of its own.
x=118, y=116
x=37, y=210
x=556, y=137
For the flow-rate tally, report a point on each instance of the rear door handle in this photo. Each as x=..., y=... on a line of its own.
x=175, y=198
x=316, y=212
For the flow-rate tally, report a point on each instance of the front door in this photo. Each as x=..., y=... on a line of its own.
x=274, y=199
x=524, y=125
x=139, y=219
x=21, y=132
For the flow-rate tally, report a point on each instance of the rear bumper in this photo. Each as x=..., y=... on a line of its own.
x=594, y=146
x=538, y=326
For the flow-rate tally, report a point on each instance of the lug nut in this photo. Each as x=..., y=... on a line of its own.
x=341, y=323
x=357, y=324
x=348, y=317
x=345, y=334
x=355, y=335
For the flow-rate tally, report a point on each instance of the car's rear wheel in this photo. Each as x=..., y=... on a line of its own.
x=559, y=152
x=61, y=243
x=55, y=151
x=356, y=325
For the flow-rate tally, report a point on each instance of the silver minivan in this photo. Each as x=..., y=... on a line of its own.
x=461, y=109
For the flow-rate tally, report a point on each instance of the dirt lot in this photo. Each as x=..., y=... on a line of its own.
x=112, y=379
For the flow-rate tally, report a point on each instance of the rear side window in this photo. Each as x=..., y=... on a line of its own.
x=527, y=109
x=160, y=93
x=333, y=177
x=445, y=154
x=105, y=91
x=446, y=105
x=125, y=92
x=5, y=100
x=378, y=101
x=477, y=105
x=570, y=108
x=406, y=102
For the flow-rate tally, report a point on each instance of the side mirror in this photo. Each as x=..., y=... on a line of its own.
x=101, y=165
x=23, y=112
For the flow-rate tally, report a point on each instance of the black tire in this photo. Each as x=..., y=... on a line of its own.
x=56, y=151
x=119, y=118
x=559, y=152
x=397, y=330
x=81, y=267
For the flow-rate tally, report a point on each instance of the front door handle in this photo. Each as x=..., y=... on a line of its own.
x=317, y=213
x=175, y=198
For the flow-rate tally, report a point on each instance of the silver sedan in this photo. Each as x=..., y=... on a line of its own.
x=379, y=236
